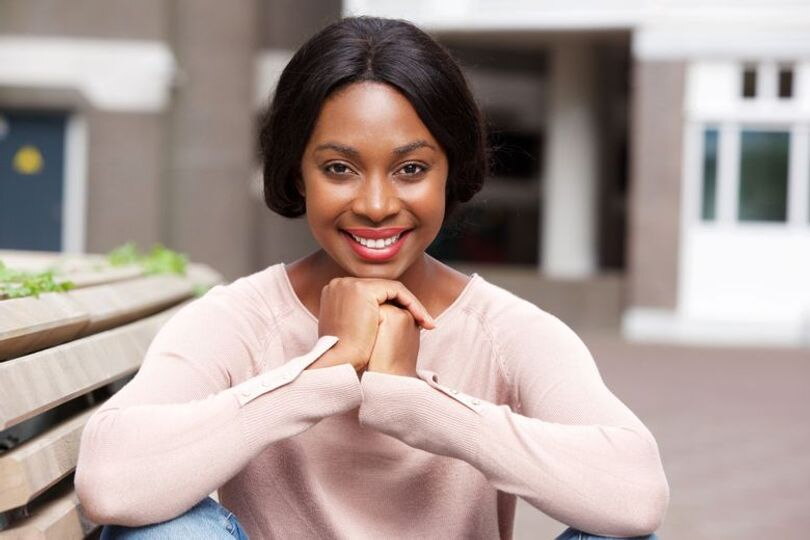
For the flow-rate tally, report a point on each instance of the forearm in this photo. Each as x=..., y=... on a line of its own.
x=602, y=479
x=129, y=455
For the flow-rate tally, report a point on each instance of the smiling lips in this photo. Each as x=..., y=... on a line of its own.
x=376, y=244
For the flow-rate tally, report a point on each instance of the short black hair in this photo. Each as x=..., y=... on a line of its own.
x=390, y=51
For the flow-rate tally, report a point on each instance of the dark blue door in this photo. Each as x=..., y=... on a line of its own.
x=32, y=157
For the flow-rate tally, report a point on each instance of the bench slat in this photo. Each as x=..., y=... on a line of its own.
x=57, y=519
x=91, y=269
x=29, y=324
x=89, y=278
x=34, y=466
x=113, y=304
x=42, y=380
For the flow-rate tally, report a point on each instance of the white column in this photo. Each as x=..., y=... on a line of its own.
x=570, y=178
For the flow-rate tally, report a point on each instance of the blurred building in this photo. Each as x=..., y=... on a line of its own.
x=660, y=145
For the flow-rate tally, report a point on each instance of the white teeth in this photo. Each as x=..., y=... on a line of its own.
x=378, y=243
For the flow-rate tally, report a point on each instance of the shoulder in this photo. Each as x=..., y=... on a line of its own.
x=502, y=309
x=238, y=310
x=521, y=329
x=224, y=331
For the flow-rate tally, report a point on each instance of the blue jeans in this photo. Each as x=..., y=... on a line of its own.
x=206, y=519
x=573, y=534
x=209, y=519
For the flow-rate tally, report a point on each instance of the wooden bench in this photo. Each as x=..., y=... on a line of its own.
x=61, y=356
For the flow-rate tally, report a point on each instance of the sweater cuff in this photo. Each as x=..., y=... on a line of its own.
x=297, y=406
x=419, y=415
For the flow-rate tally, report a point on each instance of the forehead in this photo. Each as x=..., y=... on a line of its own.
x=369, y=114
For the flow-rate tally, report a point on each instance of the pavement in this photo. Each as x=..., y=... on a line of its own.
x=733, y=427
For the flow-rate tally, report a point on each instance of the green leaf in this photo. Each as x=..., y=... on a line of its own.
x=159, y=260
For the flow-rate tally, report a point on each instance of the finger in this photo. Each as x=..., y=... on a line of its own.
x=413, y=305
x=387, y=290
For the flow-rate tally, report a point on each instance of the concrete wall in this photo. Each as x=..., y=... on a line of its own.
x=656, y=136
x=179, y=172
x=123, y=179
x=118, y=19
x=278, y=238
x=123, y=168
x=208, y=211
x=287, y=24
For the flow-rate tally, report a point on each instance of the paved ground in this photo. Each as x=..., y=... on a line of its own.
x=733, y=426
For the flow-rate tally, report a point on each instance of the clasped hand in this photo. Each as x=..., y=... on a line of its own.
x=377, y=322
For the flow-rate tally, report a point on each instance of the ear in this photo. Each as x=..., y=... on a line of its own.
x=299, y=186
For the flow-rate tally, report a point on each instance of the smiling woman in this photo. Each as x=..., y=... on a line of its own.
x=368, y=390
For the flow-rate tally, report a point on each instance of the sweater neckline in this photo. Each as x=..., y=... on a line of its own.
x=454, y=305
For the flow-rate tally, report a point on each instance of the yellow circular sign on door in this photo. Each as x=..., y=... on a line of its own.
x=28, y=160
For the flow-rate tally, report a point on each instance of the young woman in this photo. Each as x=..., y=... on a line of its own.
x=368, y=390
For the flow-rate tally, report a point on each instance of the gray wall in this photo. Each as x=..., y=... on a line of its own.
x=208, y=211
x=125, y=156
x=120, y=19
x=178, y=176
x=656, y=136
x=287, y=24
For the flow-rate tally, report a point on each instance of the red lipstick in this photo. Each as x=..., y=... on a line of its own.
x=376, y=254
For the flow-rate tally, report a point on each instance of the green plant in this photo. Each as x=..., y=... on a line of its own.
x=125, y=254
x=159, y=260
x=200, y=289
x=19, y=283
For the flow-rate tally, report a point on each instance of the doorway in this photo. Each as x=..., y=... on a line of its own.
x=32, y=172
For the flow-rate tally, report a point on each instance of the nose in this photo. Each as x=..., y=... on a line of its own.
x=376, y=199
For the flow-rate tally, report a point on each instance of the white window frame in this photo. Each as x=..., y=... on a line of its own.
x=766, y=112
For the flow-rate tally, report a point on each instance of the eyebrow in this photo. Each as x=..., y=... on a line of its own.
x=355, y=153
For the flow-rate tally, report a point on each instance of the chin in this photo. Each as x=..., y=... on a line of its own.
x=362, y=269
x=379, y=271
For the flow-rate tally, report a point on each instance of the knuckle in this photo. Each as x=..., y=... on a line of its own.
x=403, y=315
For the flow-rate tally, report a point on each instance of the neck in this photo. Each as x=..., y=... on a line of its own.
x=318, y=268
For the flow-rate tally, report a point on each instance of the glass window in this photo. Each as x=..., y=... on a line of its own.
x=749, y=81
x=763, y=175
x=785, y=81
x=709, y=173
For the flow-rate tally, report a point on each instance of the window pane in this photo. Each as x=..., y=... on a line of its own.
x=785, y=82
x=763, y=175
x=709, y=173
x=749, y=82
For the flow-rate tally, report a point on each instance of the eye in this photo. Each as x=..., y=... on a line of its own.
x=339, y=169
x=414, y=169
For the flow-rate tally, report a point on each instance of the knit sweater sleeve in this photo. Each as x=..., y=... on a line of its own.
x=569, y=446
x=182, y=427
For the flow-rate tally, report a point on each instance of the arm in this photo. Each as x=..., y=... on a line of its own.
x=178, y=430
x=572, y=449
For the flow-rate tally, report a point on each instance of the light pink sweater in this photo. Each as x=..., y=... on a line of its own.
x=509, y=402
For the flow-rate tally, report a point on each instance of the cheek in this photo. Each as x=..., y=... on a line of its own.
x=322, y=200
x=429, y=201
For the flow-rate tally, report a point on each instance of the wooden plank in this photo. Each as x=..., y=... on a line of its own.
x=34, y=466
x=84, y=270
x=40, y=260
x=30, y=324
x=58, y=519
x=87, y=270
x=117, y=303
x=89, y=278
x=42, y=380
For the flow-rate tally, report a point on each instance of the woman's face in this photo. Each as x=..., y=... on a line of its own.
x=373, y=174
